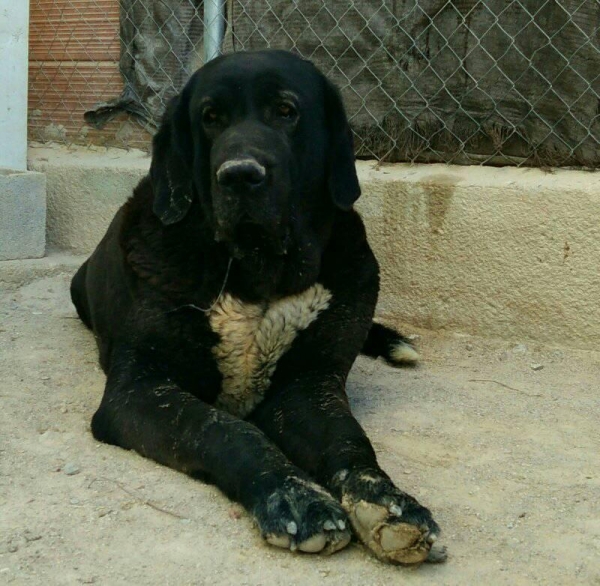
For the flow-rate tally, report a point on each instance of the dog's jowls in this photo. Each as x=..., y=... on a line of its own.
x=230, y=297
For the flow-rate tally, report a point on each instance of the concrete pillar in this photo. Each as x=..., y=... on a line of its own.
x=14, y=52
x=22, y=193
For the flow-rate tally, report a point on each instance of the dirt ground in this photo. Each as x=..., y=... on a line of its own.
x=506, y=454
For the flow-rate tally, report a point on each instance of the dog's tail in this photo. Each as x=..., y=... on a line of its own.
x=392, y=346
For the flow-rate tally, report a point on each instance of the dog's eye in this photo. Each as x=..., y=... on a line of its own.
x=286, y=111
x=210, y=115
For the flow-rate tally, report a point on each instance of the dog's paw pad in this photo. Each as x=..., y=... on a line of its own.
x=330, y=540
x=391, y=523
x=385, y=535
x=282, y=541
x=314, y=544
x=368, y=514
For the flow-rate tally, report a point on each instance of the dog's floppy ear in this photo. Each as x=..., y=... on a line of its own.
x=341, y=180
x=171, y=167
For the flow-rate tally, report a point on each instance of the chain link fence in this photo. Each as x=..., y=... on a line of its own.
x=512, y=82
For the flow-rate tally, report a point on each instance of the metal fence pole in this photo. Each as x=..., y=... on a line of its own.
x=214, y=28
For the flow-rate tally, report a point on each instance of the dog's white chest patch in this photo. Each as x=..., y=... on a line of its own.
x=253, y=337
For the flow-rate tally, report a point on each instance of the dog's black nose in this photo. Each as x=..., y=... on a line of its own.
x=247, y=172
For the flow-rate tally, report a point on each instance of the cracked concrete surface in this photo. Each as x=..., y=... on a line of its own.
x=505, y=453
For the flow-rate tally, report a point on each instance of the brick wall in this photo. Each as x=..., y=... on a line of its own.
x=73, y=64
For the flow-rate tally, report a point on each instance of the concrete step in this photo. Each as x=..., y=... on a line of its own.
x=22, y=214
x=17, y=273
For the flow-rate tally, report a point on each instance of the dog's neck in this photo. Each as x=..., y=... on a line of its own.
x=189, y=259
x=263, y=275
x=258, y=278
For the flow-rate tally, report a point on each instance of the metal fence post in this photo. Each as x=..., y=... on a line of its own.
x=214, y=28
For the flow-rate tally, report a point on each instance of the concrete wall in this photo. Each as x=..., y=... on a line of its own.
x=510, y=253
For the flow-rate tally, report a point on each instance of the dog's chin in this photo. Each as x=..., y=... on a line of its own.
x=250, y=240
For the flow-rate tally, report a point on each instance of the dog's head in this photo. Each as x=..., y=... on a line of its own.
x=259, y=139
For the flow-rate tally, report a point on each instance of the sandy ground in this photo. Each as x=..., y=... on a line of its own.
x=507, y=457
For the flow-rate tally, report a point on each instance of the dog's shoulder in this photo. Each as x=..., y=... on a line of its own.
x=137, y=221
x=348, y=254
x=154, y=254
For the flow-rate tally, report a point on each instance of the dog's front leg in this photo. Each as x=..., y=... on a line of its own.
x=310, y=420
x=147, y=412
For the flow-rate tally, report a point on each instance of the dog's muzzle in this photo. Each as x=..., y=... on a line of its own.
x=250, y=206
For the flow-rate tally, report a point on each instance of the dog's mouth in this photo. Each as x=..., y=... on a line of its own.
x=249, y=239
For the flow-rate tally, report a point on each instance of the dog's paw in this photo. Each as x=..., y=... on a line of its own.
x=391, y=523
x=303, y=516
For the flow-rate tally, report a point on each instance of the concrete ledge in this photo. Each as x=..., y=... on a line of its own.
x=17, y=273
x=85, y=187
x=22, y=214
x=509, y=253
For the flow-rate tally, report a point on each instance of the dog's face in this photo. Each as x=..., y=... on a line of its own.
x=261, y=140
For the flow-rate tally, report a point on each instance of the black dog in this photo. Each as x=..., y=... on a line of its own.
x=230, y=298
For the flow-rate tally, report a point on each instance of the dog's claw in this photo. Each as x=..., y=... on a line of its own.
x=396, y=510
x=437, y=554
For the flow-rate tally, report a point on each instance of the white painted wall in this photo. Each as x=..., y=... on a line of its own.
x=14, y=51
